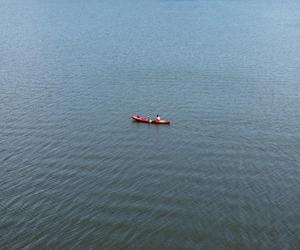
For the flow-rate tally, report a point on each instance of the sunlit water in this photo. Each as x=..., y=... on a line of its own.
x=77, y=173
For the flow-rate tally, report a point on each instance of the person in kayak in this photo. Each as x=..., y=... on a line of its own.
x=157, y=118
x=149, y=120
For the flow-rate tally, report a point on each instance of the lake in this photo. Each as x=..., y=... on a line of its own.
x=77, y=173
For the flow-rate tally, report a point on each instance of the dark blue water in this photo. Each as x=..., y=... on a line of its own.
x=77, y=173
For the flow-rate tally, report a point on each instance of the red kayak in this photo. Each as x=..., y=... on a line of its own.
x=146, y=120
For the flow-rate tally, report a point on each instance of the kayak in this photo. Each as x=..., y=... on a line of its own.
x=147, y=120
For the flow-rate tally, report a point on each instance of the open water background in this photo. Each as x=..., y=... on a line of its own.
x=76, y=173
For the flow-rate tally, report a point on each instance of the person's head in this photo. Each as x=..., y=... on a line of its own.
x=156, y=115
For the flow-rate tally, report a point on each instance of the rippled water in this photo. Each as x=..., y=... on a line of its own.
x=77, y=173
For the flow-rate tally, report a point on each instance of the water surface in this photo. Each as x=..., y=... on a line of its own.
x=76, y=173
